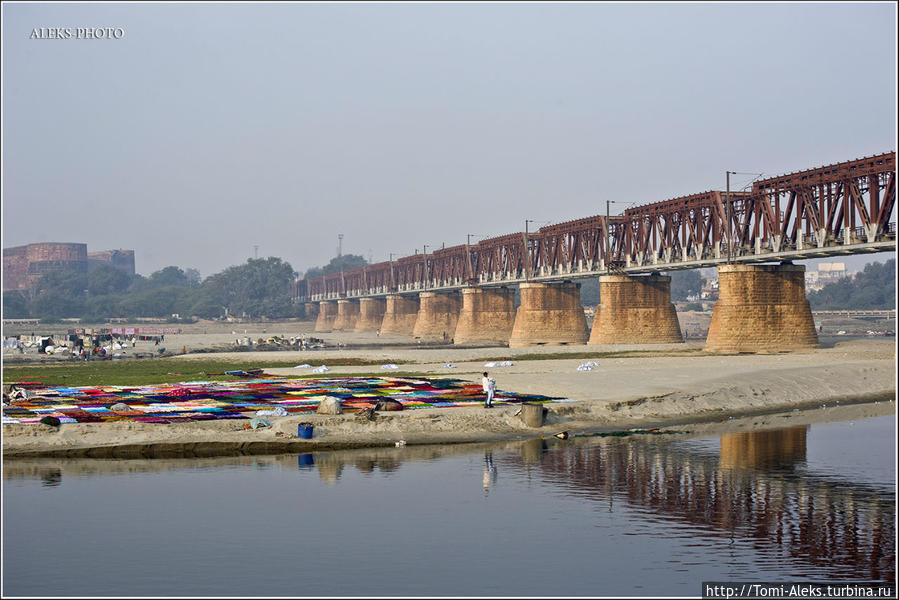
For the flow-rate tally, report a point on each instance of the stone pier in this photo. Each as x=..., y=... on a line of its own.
x=761, y=308
x=400, y=315
x=487, y=316
x=327, y=312
x=550, y=314
x=347, y=315
x=438, y=314
x=371, y=314
x=635, y=310
x=311, y=310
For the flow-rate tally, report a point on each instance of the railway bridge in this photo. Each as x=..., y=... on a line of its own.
x=466, y=293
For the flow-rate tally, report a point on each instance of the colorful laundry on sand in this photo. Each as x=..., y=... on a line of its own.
x=206, y=400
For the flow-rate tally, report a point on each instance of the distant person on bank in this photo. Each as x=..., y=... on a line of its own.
x=489, y=385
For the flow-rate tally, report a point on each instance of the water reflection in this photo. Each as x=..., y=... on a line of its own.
x=753, y=490
x=51, y=478
x=754, y=485
x=489, y=472
x=779, y=449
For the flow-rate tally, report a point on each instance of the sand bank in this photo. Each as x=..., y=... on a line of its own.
x=677, y=384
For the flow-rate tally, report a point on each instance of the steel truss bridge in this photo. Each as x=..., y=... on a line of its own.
x=833, y=210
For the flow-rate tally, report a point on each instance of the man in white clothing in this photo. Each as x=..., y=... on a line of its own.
x=489, y=385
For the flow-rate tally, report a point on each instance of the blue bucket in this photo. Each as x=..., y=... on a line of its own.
x=304, y=430
x=305, y=461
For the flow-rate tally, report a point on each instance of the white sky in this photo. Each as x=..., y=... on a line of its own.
x=208, y=129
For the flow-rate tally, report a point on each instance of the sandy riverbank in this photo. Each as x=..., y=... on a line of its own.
x=678, y=384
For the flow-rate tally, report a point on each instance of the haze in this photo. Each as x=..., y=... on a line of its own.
x=210, y=133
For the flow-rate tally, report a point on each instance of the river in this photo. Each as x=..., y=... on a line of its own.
x=639, y=515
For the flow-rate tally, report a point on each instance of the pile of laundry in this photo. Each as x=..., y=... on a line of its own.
x=206, y=400
x=505, y=363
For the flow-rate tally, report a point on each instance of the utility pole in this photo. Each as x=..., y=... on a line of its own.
x=392, y=278
x=608, y=235
x=730, y=219
x=425, y=270
x=468, y=255
x=527, y=256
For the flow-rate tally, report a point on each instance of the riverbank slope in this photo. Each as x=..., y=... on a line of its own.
x=675, y=384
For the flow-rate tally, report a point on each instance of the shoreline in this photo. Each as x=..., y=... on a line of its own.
x=628, y=392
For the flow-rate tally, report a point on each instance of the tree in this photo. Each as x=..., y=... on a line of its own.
x=67, y=283
x=193, y=277
x=155, y=302
x=685, y=283
x=344, y=262
x=15, y=306
x=872, y=288
x=259, y=288
x=170, y=276
x=589, y=292
x=52, y=304
x=106, y=279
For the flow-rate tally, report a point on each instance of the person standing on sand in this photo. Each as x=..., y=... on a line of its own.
x=489, y=385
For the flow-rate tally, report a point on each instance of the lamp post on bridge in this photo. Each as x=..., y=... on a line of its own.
x=468, y=252
x=392, y=278
x=526, y=257
x=609, y=234
x=425, y=270
x=730, y=218
x=730, y=209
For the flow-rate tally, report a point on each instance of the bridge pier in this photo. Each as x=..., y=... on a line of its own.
x=311, y=310
x=635, y=310
x=371, y=314
x=400, y=315
x=487, y=316
x=438, y=315
x=550, y=314
x=761, y=308
x=327, y=312
x=347, y=315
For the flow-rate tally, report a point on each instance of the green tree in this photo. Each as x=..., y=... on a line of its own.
x=15, y=306
x=106, y=279
x=170, y=276
x=589, y=292
x=872, y=288
x=52, y=305
x=68, y=283
x=155, y=302
x=344, y=262
x=259, y=288
x=685, y=283
x=193, y=277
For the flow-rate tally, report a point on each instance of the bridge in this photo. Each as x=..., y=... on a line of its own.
x=466, y=292
x=857, y=314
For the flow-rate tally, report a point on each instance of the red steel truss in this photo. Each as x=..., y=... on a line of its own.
x=837, y=208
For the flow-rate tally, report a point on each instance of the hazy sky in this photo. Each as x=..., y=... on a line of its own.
x=208, y=129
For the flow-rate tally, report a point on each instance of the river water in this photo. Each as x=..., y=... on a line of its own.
x=641, y=515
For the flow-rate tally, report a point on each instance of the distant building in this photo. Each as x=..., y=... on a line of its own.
x=23, y=266
x=826, y=273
